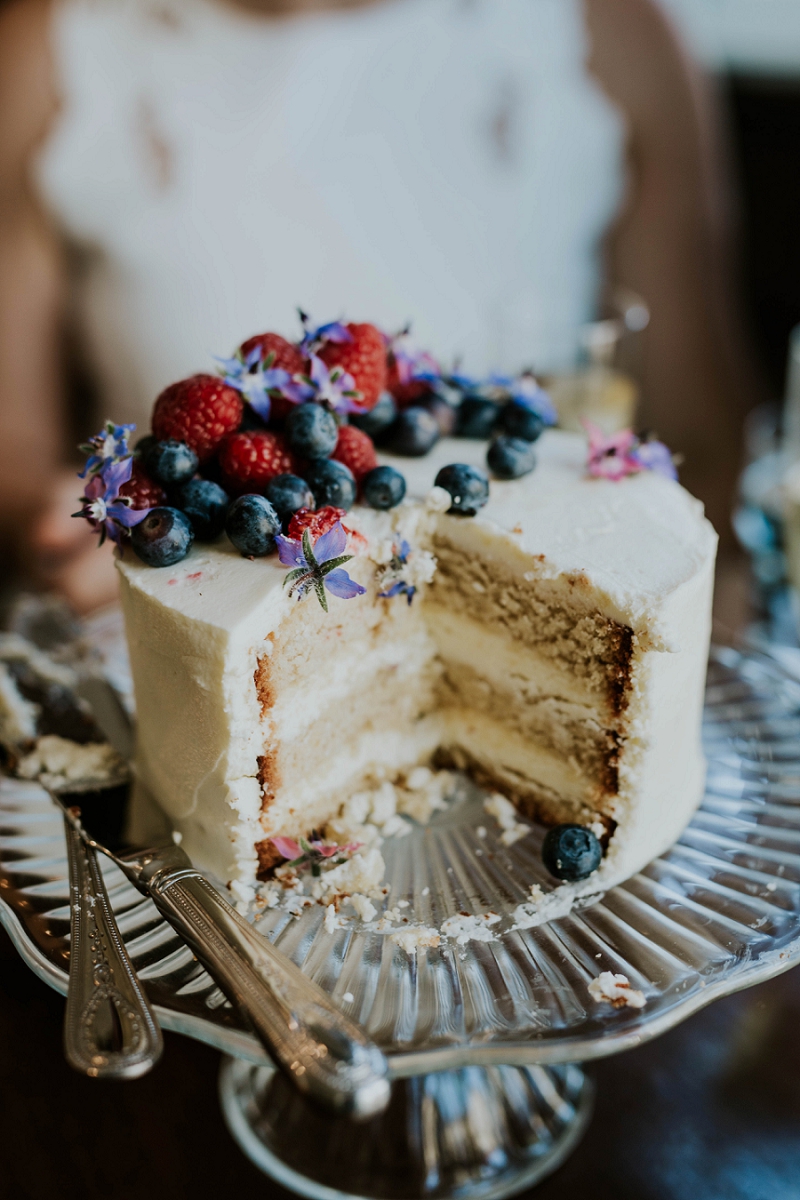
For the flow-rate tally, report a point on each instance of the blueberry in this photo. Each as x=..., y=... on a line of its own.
x=444, y=414
x=287, y=493
x=511, y=457
x=332, y=483
x=312, y=431
x=468, y=487
x=413, y=432
x=571, y=852
x=519, y=421
x=477, y=417
x=144, y=444
x=170, y=462
x=383, y=487
x=378, y=418
x=205, y=504
x=251, y=524
x=163, y=538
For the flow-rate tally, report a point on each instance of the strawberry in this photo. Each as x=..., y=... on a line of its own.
x=141, y=489
x=316, y=523
x=364, y=358
x=249, y=460
x=355, y=449
x=285, y=355
x=198, y=411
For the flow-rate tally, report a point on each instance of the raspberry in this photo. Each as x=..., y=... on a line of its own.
x=249, y=460
x=356, y=450
x=142, y=490
x=287, y=357
x=316, y=523
x=198, y=411
x=364, y=358
x=404, y=393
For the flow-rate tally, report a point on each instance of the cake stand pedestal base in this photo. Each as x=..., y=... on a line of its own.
x=482, y=1132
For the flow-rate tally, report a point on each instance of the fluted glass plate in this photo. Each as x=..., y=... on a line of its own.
x=719, y=912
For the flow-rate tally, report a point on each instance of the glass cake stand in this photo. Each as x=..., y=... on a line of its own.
x=483, y=1039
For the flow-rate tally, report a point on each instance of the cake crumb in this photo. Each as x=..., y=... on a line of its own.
x=505, y=814
x=58, y=763
x=364, y=907
x=402, y=904
x=536, y=894
x=243, y=894
x=426, y=891
x=331, y=920
x=616, y=989
x=470, y=928
x=414, y=938
x=481, y=831
x=438, y=500
x=348, y=997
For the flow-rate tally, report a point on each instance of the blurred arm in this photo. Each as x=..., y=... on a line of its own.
x=674, y=245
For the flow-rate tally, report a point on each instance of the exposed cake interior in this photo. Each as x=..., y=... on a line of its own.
x=569, y=696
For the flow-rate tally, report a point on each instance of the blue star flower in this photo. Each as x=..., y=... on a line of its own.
x=335, y=387
x=318, y=565
x=315, y=336
x=525, y=390
x=256, y=380
x=103, y=506
x=398, y=587
x=109, y=445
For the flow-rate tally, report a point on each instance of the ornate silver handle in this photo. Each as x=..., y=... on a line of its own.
x=321, y=1049
x=109, y=1029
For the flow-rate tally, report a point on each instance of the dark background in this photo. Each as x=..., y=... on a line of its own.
x=710, y=1111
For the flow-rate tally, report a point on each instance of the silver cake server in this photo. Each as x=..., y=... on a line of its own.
x=326, y=1054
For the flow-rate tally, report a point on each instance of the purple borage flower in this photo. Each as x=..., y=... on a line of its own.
x=311, y=854
x=318, y=565
x=256, y=380
x=335, y=387
x=109, y=445
x=314, y=336
x=103, y=505
x=620, y=454
x=398, y=587
x=411, y=364
x=524, y=389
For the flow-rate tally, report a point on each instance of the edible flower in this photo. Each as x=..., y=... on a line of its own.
x=526, y=390
x=314, y=336
x=104, y=507
x=318, y=565
x=311, y=854
x=256, y=380
x=616, y=455
x=398, y=587
x=411, y=364
x=109, y=445
x=335, y=387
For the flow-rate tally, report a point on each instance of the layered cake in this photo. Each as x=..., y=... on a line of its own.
x=550, y=639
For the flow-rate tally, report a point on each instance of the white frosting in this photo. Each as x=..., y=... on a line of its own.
x=639, y=551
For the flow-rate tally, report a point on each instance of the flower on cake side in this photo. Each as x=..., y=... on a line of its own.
x=617, y=455
x=312, y=854
x=318, y=565
x=108, y=469
x=391, y=581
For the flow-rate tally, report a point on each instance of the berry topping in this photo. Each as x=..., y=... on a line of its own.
x=468, y=488
x=477, y=418
x=311, y=431
x=277, y=354
x=252, y=524
x=363, y=357
x=169, y=462
x=163, y=538
x=378, y=418
x=510, y=457
x=444, y=414
x=520, y=421
x=249, y=460
x=205, y=504
x=412, y=434
x=141, y=490
x=287, y=494
x=356, y=450
x=383, y=487
x=316, y=523
x=571, y=852
x=198, y=411
x=331, y=482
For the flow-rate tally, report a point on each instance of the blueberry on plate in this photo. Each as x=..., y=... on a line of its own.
x=311, y=430
x=170, y=462
x=251, y=524
x=571, y=852
x=163, y=538
x=287, y=493
x=331, y=483
x=519, y=421
x=205, y=504
x=510, y=457
x=413, y=432
x=383, y=487
x=477, y=417
x=379, y=418
x=468, y=488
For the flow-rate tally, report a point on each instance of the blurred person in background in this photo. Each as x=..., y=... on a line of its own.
x=176, y=175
